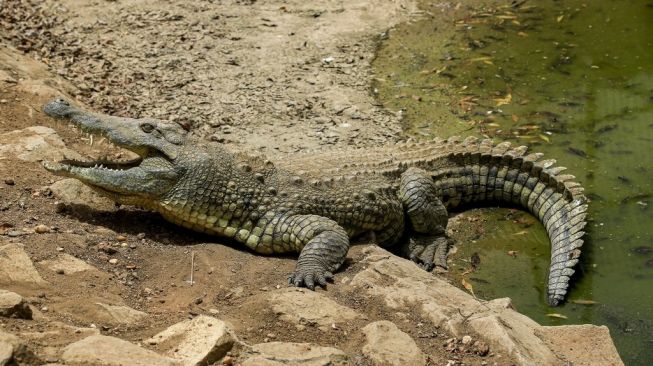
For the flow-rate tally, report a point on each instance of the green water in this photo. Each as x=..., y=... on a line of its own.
x=574, y=80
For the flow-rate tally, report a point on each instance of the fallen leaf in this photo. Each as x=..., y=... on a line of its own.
x=545, y=138
x=559, y=19
x=504, y=101
x=522, y=34
x=584, y=302
x=468, y=286
x=523, y=232
x=515, y=118
x=556, y=315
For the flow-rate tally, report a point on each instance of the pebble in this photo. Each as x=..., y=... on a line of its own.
x=121, y=238
x=9, y=182
x=467, y=339
x=59, y=249
x=228, y=361
x=113, y=261
x=44, y=309
x=41, y=229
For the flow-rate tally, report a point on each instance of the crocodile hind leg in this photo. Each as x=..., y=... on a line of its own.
x=323, y=244
x=428, y=217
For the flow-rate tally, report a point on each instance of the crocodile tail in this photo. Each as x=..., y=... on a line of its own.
x=476, y=170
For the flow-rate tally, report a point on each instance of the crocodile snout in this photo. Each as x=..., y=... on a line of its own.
x=57, y=108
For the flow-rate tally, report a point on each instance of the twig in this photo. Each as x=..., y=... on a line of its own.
x=192, y=267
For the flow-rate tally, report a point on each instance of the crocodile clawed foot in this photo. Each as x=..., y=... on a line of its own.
x=310, y=278
x=428, y=252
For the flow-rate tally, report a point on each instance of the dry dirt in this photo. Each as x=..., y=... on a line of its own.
x=273, y=76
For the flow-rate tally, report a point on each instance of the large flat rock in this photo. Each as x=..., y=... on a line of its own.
x=582, y=345
x=303, y=307
x=202, y=340
x=16, y=266
x=295, y=354
x=99, y=350
x=388, y=345
x=35, y=143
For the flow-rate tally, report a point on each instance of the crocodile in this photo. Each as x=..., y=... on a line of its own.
x=314, y=203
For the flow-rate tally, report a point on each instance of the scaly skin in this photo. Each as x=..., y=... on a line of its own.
x=314, y=203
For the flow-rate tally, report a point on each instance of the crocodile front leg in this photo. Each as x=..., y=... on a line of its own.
x=324, y=245
x=428, y=218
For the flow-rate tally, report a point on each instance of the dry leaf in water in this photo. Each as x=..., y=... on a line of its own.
x=468, y=286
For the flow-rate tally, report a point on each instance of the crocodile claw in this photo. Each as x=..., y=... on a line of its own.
x=428, y=252
x=309, y=278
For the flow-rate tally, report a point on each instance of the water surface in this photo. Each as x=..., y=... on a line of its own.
x=574, y=80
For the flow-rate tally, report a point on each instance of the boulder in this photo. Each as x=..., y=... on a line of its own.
x=296, y=354
x=99, y=350
x=13, y=305
x=202, y=340
x=303, y=307
x=388, y=345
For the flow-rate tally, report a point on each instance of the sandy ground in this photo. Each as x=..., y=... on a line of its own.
x=272, y=76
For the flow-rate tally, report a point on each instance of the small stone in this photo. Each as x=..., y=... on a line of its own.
x=124, y=245
x=15, y=233
x=113, y=261
x=141, y=236
x=121, y=238
x=214, y=311
x=105, y=247
x=467, y=339
x=44, y=309
x=271, y=335
x=481, y=348
x=60, y=271
x=228, y=361
x=41, y=229
x=9, y=182
x=59, y=249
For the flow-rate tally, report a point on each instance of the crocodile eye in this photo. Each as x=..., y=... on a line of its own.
x=147, y=127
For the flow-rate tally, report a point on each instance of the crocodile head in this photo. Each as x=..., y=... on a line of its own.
x=157, y=143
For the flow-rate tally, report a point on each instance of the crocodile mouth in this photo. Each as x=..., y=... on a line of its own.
x=103, y=164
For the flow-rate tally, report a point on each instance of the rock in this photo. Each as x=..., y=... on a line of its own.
x=6, y=353
x=401, y=283
x=99, y=350
x=466, y=340
x=13, y=305
x=304, y=307
x=35, y=143
x=583, y=344
x=122, y=314
x=388, y=345
x=296, y=354
x=67, y=264
x=70, y=191
x=14, y=352
x=202, y=340
x=16, y=266
x=41, y=229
